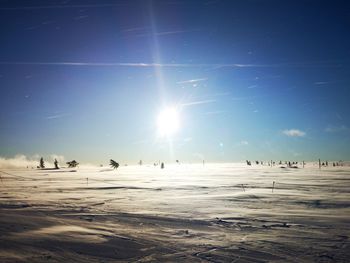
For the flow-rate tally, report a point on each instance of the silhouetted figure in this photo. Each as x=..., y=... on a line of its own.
x=42, y=163
x=56, y=164
x=248, y=163
x=280, y=163
x=162, y=166
x=177, y=161
x=140, y=162
x=72, y=164
x=333, y=164
x=289, y=165
x=256, y=162
x=326, y=163
x=114, y=164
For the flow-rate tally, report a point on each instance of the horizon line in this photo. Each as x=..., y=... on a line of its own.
x=171, y=65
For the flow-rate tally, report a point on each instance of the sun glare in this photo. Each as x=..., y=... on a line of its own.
x=168, y=122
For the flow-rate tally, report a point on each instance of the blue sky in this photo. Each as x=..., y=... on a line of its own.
x=250, y=79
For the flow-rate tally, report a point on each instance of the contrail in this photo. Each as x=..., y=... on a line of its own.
x=56, y=116
x=191, y=81
x=133, y=29
x=164, y=33
x=198, y=102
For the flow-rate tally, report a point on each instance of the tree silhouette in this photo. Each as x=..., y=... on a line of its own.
x=72, y=164
x=42, y=163
x=56, y=164
x=114, y=164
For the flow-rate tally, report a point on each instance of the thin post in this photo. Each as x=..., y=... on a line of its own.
x=87, y=180
x=319, y=163
x=273, y=186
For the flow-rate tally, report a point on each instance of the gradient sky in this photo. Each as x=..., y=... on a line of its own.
x=251, y=79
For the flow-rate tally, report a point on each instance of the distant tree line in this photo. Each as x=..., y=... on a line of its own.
x=70, y=164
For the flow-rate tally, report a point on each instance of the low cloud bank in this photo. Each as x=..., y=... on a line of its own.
x=23, y=161
x=294, y=133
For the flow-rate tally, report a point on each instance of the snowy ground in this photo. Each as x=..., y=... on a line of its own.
x=184, y=213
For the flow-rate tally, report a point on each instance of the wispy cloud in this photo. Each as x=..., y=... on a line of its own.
x=294, y=133
x=133, y=29
x=191, y=81
x=48, y=22
x=163, y=33
x=61, y=6
x=333, y=128
x=211, y=95
x=32, y=27
x=164, y=65
x=197, y=102
x=80, y=17
x=321, y=83
x=339, y=117
x=57, y=116
x=243, y=142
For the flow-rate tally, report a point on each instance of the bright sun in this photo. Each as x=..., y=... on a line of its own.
x=168, y=122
